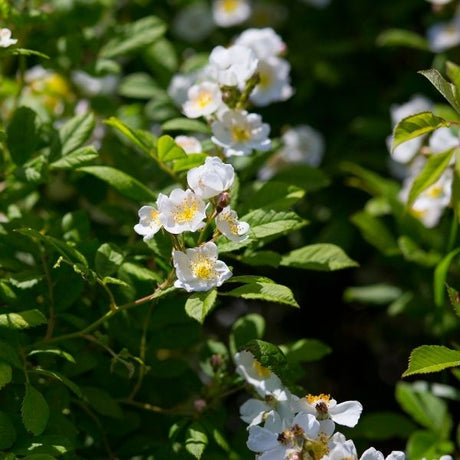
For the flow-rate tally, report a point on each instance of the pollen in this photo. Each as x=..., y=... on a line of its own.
x=230, y=5
x=233, y=226
x=434, y=192
x=321, y=397
x=262, y=371
x=204, y=99
x=419, y=213
x=154, y=214
x=185, y=212
x=203, y=268
x=265, y=80
x=241, y=134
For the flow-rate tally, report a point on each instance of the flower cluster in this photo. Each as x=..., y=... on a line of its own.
x=5, y=38
x=444, y=35
x=192, y=210
x=249, y=71
x=283, y=426
x=410, y=157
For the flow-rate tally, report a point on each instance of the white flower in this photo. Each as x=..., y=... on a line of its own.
x=5, y=38
x=373, y=454
x=180, y=84
x=149, y=222
x=341, y=448
x=444, y=35
x=211, y=178
x=182, y=211
x=274, y=84
x=264, y=42
x=193, y=22
x=443, y=139
x=406, y=151
x=439, y=2
x=202, y=99
x=230, y=12
x=93, y=86
x=324, y=407
x=261, y=378
x=189, y=144
x=228, y=224
x=198, y=269
x=239, y=133
x=232, y=66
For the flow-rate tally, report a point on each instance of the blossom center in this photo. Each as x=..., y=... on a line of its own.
x=204, y=99
x=230, y=5
x=434, y=192
x=202, y=268
x=186, y=211
x=265, y=80
x=419, y=213
x=240, y=133
x=318, y=398
x=261, y=370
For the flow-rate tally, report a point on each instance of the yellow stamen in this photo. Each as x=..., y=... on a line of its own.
x=204, y=99
x=240, y=134
x=265, y=80
x=419, y=213
x=323, y=397
x=434, y=192
x=262, y=371
x=185, y=212
x=230, y=5
x=202, y=268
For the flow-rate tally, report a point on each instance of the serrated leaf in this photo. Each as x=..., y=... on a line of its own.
x=416, y=125
x=76, y=158
x=61, y=378
x=168, y=150
x=23, y=320
x=108, y=259
x=145, y=144
x=440, y=276
x=7, y=431
x=185, y=124
x=322, y=257
x=376, y=294
x=305, y=350
x=269, y=355
x=431, y=172
x=120, y=181
x=200, y=304
x=447, y=89
x=134, y=36
x=454, y=299
x=402, y=37
x=6, y=374
x=412, y=252
x=270, y=292
x=196, y=440
x=76, y=132
x=262, y=258
x=22, y=135
x=10, y=354
x=431, y=358
x=35, y=411
x=53, y=351
x=245, y=329
x=192, y=161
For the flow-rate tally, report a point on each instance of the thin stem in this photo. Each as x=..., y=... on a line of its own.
x=208, y=223
x=51, y=312
x=158, y=410
x=113, y=304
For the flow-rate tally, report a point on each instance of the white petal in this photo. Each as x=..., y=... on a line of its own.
x=346, y=413
x=260, y=439
x=372, y=454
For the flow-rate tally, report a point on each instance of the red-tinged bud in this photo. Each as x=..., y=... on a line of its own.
x=222, y=202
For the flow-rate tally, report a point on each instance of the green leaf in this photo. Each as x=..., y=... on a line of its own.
x=246, y=328
x=440, y=276
x=416, y=125
x=425, y=408
x=376, y=294
x=431, y=172
x=423, y=444
x=134, y=36
x=145, y=144
x=200, y=304
x=35, y=411
x=196, y=440
x=76, y=158
x=322, y=257
x=6, y=374
x=448, y=90
x=308, y=178
x=185, y=124
x=120, y=181
x=375, y=233
x=384, y=425
x=23, y=320
x=7, y=431
x=270, y=292
x=102, y=402
x=10, y=354
x=22, y=135
x=109, y=258
x=168, y=150
x=305, y=350
x=39, y=457
x=431, y=358
x=76, y=132
x=262, y=258
x=402, y=37
x=138, y=85
x=269, y=355
x=412, y=252
x=53, y=351
x=191, y=161
x=60, y=378
x=454, y=299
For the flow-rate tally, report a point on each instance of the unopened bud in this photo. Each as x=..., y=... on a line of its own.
x=216, y=362
x=200, y=405
x=222, y=202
